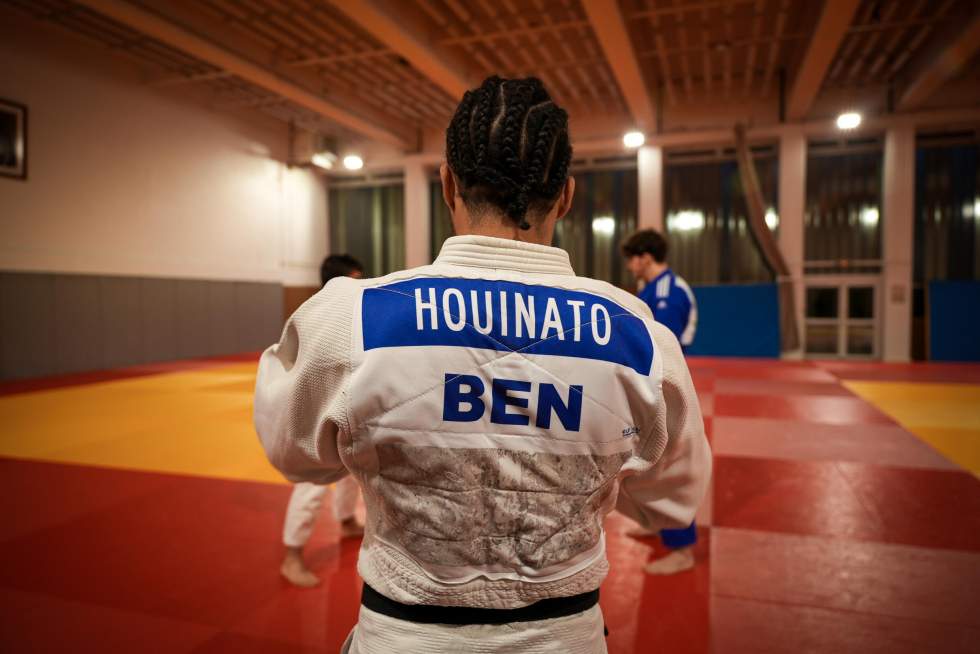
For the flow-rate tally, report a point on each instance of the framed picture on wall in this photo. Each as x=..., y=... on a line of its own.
x=13, y=139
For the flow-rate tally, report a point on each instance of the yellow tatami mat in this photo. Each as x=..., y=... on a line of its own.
x=196, y=422
x=199, y=422
x=947, y=416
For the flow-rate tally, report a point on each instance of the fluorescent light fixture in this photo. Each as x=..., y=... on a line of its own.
x=324, y=160
x=633, y=139
x=353, y=162
x=849, y=120
x=604, y=225
x=686, y=221
x=772, y=218
x=869, y=216
x=972, y=210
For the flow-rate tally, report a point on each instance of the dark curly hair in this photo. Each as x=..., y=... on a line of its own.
x=508, y=147
x=648, y=241
x=338, y=265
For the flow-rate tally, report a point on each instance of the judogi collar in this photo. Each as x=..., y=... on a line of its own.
x=504, y=253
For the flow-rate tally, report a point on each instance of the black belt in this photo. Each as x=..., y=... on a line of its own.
x=555, y=607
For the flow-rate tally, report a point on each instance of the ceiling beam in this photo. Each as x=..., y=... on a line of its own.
x=835, y=19
x=614, y=39
x=401, y=31
x=596, y=144
x=944, y=66
x=180, y=38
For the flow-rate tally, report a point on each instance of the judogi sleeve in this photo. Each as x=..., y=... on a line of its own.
x=665, y=492
x=301, y=390
x=677, y=312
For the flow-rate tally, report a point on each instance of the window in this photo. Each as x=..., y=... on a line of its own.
x=707, y=218
x=603, y=214
x=947, y=238
x=441, y=226
x=842, y=219
x=947, y=219
x=369, y=224
x=841, y=318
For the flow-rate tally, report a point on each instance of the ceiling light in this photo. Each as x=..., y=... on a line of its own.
x=772, y=218
x=972, y=209
x=849, y=120
x=324, y=160
x=686, y=221
x=604, y=225
x=353, y=162
x=869, y=216
x=633, y=139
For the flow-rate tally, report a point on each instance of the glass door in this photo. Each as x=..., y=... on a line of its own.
x=842, y=318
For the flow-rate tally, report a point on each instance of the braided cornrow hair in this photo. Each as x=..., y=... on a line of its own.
x=508, y=146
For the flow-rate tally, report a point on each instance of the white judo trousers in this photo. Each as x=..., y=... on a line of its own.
x=304, y=508
x=375, y=633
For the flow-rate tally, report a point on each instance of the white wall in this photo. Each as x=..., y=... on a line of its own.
x=792, y=197
x=897, y=243
x=650, y=186
x=128, y=179
x=417, y=209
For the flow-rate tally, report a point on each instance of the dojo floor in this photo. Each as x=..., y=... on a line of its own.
x=139, y=515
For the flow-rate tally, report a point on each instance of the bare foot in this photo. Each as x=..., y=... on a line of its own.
x=351, y=528
x=294, y=569
x=677, y=561
x=640, y=532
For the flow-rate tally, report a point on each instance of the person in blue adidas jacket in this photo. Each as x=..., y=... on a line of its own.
x=673, y=305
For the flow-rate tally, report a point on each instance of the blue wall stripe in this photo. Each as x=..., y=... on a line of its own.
x=737, y=320
x=954, y=321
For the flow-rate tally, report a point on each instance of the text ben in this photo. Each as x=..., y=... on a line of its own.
x=463, y=402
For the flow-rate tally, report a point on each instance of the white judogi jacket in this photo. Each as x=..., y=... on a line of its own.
x=494, y=407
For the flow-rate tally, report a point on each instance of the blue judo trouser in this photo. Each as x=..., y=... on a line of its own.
x=677, y=539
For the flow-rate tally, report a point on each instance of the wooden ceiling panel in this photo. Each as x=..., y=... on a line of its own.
x=717, y=48
x=688, y=52
x=549, y=39
x=887, y=36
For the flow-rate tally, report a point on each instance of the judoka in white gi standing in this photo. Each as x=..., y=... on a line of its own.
x=673, y=305
x=493, y=407
x=307, y=499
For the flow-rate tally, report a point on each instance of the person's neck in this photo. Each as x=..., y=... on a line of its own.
x=654, y=270
x=501, y=229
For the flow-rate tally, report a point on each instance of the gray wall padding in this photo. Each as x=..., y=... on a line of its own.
x=53, y=323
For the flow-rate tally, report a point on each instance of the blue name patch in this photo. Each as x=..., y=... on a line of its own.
x=504, y=316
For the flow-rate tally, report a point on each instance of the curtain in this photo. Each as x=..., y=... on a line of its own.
x=369, y=224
